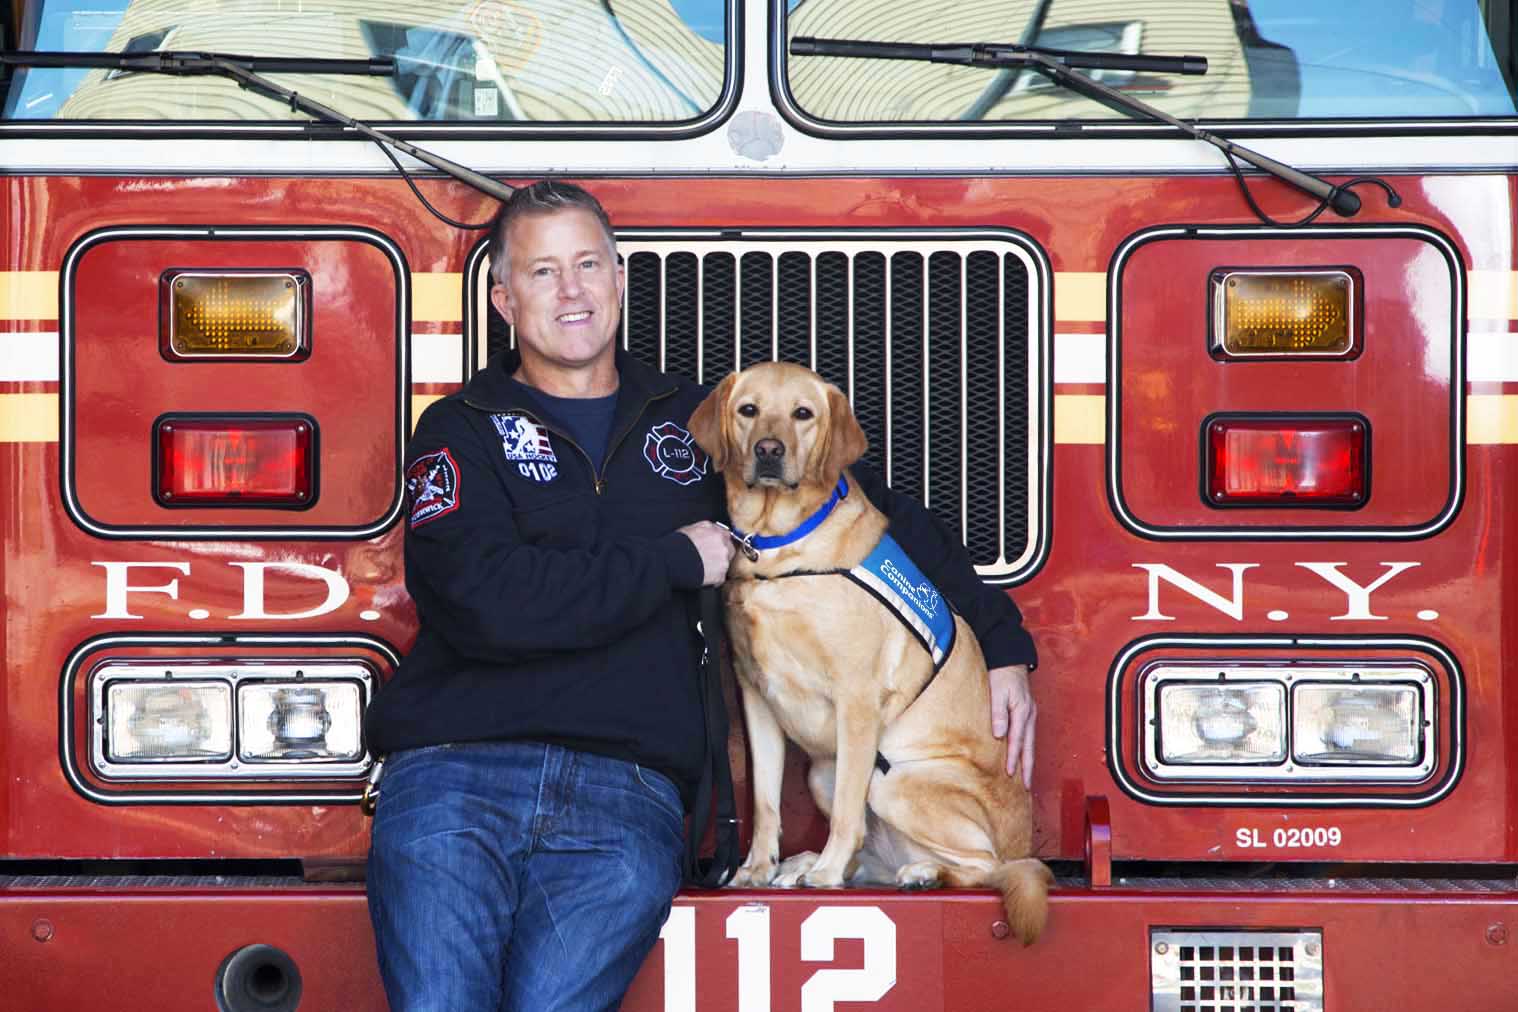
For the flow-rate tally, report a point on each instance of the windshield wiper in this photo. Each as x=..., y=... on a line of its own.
x=1057, y=64
x=246, y=71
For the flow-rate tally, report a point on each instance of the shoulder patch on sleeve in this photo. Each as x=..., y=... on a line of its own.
x=432, y=486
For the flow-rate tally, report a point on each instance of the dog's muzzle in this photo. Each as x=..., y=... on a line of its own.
x=769, y=459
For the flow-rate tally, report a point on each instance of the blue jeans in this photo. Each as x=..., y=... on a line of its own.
x=518, y=876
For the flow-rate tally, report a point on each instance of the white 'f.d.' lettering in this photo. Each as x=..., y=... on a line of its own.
x=1358, y=603
x=117, y=587
x=1233, y=606
x=253, y=589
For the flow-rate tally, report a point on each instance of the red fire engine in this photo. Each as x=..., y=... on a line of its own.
x=1244, y=473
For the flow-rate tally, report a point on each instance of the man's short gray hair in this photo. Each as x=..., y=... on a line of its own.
x=543, y=197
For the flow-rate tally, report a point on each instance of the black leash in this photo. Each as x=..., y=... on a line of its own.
x=716, y=787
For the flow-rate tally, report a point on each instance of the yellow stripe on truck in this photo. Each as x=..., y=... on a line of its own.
x=28, y=418
x=437, y=298
x=28, y=295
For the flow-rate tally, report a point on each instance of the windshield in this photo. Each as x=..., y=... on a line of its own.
x=1268, y=59
x=477, y=62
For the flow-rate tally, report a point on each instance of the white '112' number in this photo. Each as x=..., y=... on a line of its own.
x=749, y=925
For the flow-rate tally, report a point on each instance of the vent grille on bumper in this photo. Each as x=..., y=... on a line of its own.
x=936, y=338
x=1236, y=971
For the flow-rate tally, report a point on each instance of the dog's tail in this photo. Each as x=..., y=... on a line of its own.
x=1024, y=889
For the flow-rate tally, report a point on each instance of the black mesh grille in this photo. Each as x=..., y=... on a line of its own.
x=869, y=369
x=640, y=323
x=945, y=327
x=982, y=401
x=908, y=423
x=680, y=314
x=962, y=317
x=718, y=315
x=756, y=306
x=794, y=296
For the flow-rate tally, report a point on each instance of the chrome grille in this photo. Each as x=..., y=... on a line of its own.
x=937, y=338
x=1236, y=971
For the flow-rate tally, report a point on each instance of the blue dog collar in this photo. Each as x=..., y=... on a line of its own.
x=808, y=525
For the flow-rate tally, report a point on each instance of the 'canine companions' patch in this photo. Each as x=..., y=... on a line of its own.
x=672, y=453
x=526, y=443
x=432, y=486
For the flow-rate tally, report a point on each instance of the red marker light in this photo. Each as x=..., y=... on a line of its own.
x=1286, y=461
x=235, y=462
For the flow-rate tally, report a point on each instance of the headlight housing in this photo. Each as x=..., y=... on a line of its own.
x=265, y=719
x=1308, y=722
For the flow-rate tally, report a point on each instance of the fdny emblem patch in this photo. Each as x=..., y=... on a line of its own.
x=671, y=452
x=526, y=443
x=432, y=486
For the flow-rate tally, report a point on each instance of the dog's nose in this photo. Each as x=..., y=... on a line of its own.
x=773, y=448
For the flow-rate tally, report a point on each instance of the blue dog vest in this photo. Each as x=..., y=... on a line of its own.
x=895, y=581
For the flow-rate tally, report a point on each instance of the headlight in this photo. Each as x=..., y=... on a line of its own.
x=1332, y=724
x=168, y=721
x=1222, y=723
x=262, y=719
x=1288, y=722
x=311, y=720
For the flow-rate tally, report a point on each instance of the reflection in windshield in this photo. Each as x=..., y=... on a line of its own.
x=466, y=62
x=1268, y=59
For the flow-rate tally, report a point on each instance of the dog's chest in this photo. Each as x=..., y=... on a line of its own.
x=785, y=645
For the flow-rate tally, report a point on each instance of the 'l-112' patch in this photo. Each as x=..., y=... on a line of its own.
x=432, y=486
x=673, y=454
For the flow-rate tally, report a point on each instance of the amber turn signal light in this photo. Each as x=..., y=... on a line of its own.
x=232, y=461
x=1291, y=314
x=234, y=314
x=1282, y=461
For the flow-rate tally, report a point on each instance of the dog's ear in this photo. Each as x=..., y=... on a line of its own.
x=846, y=441
x=708, y=423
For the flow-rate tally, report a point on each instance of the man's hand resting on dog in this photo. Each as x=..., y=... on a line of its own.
x=1013, y=716
x=716, y=548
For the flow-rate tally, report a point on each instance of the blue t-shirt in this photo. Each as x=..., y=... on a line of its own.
x=587, y=419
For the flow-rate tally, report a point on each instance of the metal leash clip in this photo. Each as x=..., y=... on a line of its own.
x=371, y=788
x=745, y=542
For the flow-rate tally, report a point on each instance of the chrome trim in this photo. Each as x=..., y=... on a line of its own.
x=224, y=643
x=1184, y=962
x=139, y=671
x=1118, y=689
x=1288, y=675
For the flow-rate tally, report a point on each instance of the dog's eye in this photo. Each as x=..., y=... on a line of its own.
x=801, y=414
x=748, y=410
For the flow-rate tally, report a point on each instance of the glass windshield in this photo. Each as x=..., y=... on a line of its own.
x=1268, y=59
x=478, y=62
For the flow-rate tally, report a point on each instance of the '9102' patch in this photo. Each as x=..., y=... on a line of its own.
x=432, y=486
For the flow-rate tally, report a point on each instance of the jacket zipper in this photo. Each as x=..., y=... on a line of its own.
x=599, y=480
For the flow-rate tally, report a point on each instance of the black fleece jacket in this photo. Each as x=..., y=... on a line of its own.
x=557, y=601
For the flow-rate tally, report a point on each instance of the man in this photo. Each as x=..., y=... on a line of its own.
x=545, y=734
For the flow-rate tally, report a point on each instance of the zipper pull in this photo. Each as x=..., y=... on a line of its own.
x=600, y=485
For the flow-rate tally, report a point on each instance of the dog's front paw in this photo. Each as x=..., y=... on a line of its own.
x=823, y=878
x=753, y=876
x=791, y=871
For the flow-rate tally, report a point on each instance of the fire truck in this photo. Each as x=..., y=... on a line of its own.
x=1195, y=318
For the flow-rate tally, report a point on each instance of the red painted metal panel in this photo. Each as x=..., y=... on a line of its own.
x=1084, y=605
x=1170, y=383
x=121, y=384
x=161, y=949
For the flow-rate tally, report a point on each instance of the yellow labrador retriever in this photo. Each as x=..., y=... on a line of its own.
x=821, y=659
